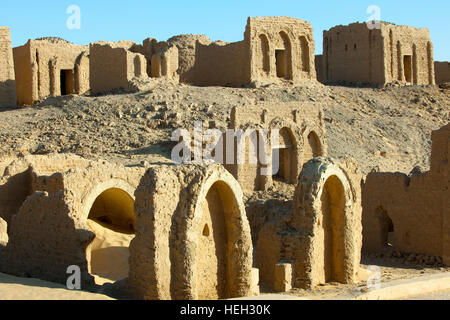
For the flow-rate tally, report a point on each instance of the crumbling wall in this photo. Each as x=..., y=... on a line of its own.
x=114, y=65
x=409, y=213
x=164, y=62
x=319, y=68
x=7, y=76
x=47, y=68
x=179, y=242
x=320, y=240
x=63, y=192
x=442, y=71
x=187, y=48
x=224, y=64
x=301, y=137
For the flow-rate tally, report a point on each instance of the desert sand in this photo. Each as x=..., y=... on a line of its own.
x=13, y=288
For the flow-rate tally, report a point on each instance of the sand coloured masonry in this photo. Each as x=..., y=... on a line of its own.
x=442, y=70
x=7, y=76
x=50, y=67
x=274, y=50
x=302, y=136
x=158, y=231
x=410, y=213
x=319, y=240
x=357, y=54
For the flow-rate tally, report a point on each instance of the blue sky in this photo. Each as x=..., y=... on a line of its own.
x=220, y=20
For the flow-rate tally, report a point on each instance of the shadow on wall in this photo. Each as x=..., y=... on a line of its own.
x=7, y=94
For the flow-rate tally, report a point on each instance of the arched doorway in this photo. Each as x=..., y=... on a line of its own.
x=304, y=54
x=112, y=219
x=313, y=147
x=329, y=215
x=264, y=47
x=387, y=235
x=283, y=57
x=137, y=67
x=211, y=248
x=333, y=225
x=284, y=160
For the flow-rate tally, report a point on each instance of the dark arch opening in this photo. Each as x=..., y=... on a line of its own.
x=284, y=159
x=313, y=147
x=333, y=210
x=387, y=234
x=304, y=54
x=265, y=62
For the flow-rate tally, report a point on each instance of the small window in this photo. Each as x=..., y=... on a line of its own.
x=354, y=47
x=346, y=47
x=206, y=231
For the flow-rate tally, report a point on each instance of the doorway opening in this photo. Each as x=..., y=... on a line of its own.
x=67, y=82
x=407, y=63
x=112, y=220
x=333, y=209
x=281, y=62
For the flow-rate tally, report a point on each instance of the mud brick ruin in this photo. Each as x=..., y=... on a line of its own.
x=50, y=67
x=159, y=231
x=115, y=65
x=7, y=76
x=301, y=137
x=320, y=240
x=273, y=48
x=442, y=70
x=411, y=213
x=357, y=54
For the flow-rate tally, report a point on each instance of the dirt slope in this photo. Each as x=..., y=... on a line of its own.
x=388, y=129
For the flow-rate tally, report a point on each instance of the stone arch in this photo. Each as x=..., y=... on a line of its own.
x=312, y=146
x=265, y=56
x=385, y=227
x=109, y=214
x=283, y=57
x=285, y=159
x=329, y=212
x=225, y=256
x=138, y=66
x=82, y=73
x=247, y=164
x=304, y=55
x=314, y=143
x=291, y=132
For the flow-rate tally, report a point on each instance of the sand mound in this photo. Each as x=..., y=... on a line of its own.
x=13, y=288
x=109, y=253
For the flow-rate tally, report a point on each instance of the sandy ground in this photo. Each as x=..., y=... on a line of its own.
x=13, y=288
x=390, y=269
